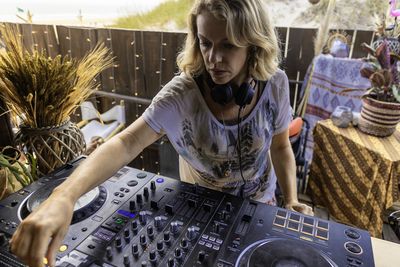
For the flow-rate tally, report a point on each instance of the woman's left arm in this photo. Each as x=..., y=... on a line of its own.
x=285, y=168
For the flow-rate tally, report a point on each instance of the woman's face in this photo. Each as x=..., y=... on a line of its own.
x=224, y=61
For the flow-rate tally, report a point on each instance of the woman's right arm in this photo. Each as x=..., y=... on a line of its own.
x=42, y=232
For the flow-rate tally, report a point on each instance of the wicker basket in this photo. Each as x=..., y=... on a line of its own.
x=379, y=118
x=53, y=146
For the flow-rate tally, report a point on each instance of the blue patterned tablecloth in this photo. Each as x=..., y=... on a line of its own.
x=326, y=82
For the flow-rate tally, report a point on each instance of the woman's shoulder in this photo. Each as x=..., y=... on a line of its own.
x=179, y=85
x=279, y=77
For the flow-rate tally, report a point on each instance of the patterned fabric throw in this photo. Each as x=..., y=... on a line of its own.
x=354, y=175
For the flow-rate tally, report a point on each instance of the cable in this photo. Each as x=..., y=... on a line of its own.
x=240, y=153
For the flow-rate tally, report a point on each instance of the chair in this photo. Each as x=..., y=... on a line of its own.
x=298, y=132
x=101, y=126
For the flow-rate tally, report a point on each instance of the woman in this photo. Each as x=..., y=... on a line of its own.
x=230, y=87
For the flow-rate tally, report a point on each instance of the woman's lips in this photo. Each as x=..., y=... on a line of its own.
x=217, y=72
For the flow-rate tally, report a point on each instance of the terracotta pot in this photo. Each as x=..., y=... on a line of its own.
x=379, y=118
x=53, y=146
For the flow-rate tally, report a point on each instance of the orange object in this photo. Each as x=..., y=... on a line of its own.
x=295, y=126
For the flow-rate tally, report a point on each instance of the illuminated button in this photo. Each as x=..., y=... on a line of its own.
x=45, y=261
x=293, y=226
x=294, y=217
x=309, y=221
x=281, y=213
x=307, y=229
x=306, y=238
x=323, y=225
x=63, y=248
x=322, y=234
x=279, y=222
x=119, y=221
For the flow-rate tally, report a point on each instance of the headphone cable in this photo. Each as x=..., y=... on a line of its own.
x=240, y=154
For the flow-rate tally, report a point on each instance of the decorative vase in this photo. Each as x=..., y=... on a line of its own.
x=379, y=118
x=53, y=146
x=393, y=43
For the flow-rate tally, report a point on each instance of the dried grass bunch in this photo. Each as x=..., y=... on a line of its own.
x=44, y=91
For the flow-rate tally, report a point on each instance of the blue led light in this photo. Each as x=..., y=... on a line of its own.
x=160, y=180
x=127, y=213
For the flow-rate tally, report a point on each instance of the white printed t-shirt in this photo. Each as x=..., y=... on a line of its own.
x=207, y=148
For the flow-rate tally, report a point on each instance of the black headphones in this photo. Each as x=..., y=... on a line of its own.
x=224, y=93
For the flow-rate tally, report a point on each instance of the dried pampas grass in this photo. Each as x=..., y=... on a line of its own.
x=44, y=91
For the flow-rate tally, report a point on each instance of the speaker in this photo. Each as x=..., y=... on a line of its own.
x=224, y=93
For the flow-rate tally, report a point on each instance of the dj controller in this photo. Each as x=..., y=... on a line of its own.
x=137, y=218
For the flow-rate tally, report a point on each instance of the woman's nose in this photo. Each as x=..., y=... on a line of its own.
x=215, y=56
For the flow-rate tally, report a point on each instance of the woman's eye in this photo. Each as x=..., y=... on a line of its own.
x=229, y=46
x=204, y=44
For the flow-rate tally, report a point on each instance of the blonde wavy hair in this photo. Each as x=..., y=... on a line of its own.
x=248, y=25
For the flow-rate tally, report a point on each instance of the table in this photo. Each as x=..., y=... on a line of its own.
x=354, y=175
x=326, y=86
x=385, y=253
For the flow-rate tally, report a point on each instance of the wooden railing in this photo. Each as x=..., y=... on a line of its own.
x=145, y=61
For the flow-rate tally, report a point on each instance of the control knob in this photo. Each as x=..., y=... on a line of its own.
x=174, y=227
x=191, y=233
x=143, y=240
x=171, y=262
x=228, y=206
x=201, y=256
x=158, y=222
x=178, y=254
x=132, y=205
x=184, y=244
x=167, y=237
x=134, y=227
x=146, y=193
x=217, y=227
x=109, y=253
x=127, y=235
x=118, y=243
x=153, y=186
x=160, y=247
x=126, y=260
x=153, y=257
x=150, y=231
x=139, y=199
x=135, y=250
x=143, y=217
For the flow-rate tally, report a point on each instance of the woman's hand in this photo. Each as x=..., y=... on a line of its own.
x=300, y=207
x=41, y=233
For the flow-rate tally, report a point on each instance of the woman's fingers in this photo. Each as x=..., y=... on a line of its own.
x=53, y=247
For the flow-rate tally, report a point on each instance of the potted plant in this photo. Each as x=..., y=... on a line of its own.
x=380, y=111
x=43, y=92
x=16, y=170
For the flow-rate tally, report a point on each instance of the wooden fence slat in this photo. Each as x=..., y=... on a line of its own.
x=172, y=43
x=152, y=62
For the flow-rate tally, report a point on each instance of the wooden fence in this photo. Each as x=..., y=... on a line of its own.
x=145, y=62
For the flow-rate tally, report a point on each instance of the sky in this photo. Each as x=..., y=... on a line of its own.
x=57, y=10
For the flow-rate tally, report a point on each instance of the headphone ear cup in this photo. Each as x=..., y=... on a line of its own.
x=222, y=93
x=244, y=95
